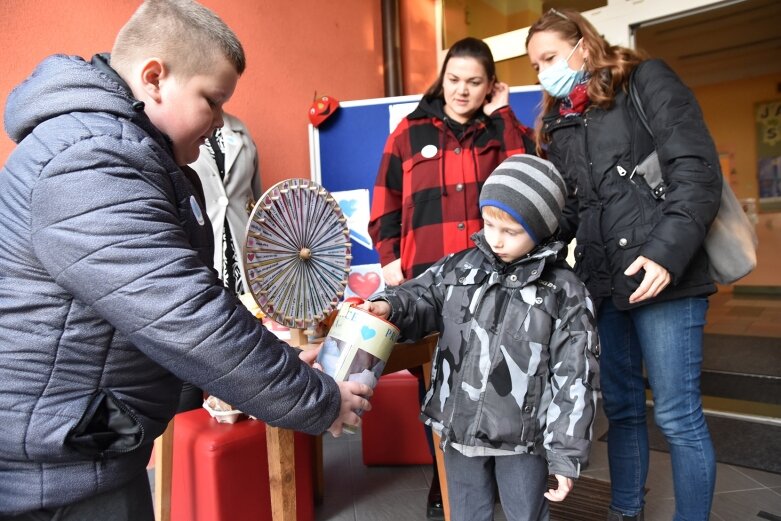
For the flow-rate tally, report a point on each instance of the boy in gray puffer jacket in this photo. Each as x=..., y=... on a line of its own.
x=107, y=296
x=514, y=376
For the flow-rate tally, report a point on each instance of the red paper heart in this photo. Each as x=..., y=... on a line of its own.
x=364, y=284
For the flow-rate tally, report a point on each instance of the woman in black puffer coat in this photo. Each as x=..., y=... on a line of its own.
x=641, y=257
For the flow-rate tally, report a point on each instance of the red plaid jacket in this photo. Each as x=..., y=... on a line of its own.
x=425, y=201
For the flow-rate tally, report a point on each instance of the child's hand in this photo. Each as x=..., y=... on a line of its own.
x=500, y=97
x=355, y=396
x=378, y=308
x=565, y=485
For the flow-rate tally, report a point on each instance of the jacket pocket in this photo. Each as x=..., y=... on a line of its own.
x=508, y=419
x=461, y=287
x=424, y=178
x=107, y=427
x=584, y=271
x=523, y=322
x=625, y=246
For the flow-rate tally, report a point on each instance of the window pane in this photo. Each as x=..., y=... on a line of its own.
x=516, y=71
x=484, y=18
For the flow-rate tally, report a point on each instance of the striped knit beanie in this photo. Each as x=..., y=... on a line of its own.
x=531, y=190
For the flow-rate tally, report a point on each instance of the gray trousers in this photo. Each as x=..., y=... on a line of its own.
x=472, y=483
x=131, y=502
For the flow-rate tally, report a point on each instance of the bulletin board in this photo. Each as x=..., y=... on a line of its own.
x=345, y=151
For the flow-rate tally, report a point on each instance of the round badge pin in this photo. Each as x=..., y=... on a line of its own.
x=197, y=210
x=429, y=151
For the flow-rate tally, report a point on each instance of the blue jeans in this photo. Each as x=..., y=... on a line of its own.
x=666, y=337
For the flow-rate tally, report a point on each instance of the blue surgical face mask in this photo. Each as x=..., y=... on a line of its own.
x=558, y=80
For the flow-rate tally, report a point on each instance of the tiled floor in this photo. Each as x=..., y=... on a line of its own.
x=354, y=492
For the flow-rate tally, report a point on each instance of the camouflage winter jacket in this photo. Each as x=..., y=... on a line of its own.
x=516, y=368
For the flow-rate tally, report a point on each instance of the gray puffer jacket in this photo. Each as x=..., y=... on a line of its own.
x=516, y=365
x=107, y=299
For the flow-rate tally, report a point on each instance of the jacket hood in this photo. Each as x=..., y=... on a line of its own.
x=61, y=85
x=430, y=107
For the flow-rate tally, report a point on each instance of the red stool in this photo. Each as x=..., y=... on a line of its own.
x=392, y=433
x=220, y=471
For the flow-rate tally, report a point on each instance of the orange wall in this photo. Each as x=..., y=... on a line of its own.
x=293, y=49
x=33, y=29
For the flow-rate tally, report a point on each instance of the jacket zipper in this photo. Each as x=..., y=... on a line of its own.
x=457, y=384
x=124, y=408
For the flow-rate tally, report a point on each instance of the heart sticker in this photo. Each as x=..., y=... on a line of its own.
x=367, y=332
x=348, y=206
x=364, y=284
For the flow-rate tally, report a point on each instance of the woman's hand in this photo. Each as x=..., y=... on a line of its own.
x=308, y=356
x=565, y=485
x=355, y=396
x=391, y=272
x=500, y=97
x=656, y=278
x=378, y=308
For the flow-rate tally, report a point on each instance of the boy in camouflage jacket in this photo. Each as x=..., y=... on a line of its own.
x=514, y=376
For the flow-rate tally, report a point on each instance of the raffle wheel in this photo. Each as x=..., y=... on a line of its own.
x=297, y=253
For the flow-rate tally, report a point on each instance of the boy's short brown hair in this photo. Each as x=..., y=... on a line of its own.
x=185, y=35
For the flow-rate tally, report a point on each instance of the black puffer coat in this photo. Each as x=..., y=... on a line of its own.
x=614, y=218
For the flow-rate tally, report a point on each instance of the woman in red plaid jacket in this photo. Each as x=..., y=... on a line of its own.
x=425, y=202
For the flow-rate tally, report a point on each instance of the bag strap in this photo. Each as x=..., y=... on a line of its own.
x=649, y=168
x=638, y=104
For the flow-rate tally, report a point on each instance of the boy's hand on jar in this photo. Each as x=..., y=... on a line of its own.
x=558, y=494
x=379, y=308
